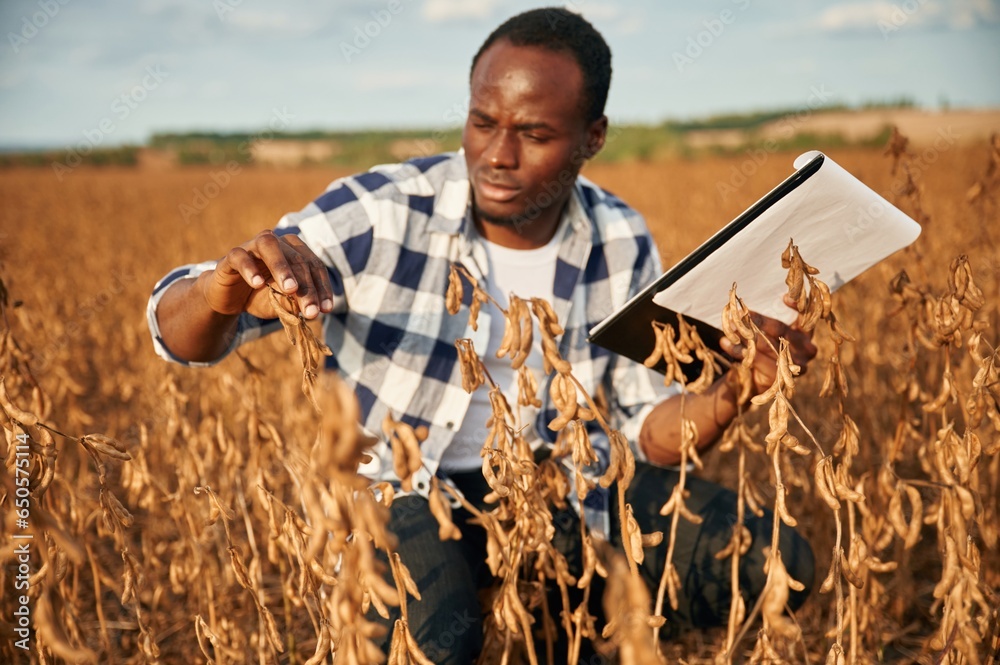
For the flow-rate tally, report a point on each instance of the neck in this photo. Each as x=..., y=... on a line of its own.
x=526, y=234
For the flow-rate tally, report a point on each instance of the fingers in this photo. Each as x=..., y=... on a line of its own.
x=315, y=291
x=286, y=263
x=801, y=346
x=773, y=328
x=270, y=249
x=733, y=350
x=239, y=263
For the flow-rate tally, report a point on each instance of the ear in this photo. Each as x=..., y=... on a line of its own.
x=597, y=132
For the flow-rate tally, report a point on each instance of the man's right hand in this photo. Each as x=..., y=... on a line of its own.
x=198, y=318
x=240, y=280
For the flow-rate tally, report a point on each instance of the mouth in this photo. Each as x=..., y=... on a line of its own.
x=499, y=192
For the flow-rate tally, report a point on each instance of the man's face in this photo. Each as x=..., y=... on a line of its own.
x=526, y=136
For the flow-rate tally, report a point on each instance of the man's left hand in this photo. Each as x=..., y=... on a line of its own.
x=765, y=365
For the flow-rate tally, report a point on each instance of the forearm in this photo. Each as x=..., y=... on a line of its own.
x=190, y=329
x=711, y=412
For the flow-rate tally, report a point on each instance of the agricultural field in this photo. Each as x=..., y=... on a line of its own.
x=186, y=516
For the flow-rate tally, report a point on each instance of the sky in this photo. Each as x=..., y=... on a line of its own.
x=114, y=72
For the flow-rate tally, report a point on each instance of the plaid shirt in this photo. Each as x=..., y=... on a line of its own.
x=389, y=236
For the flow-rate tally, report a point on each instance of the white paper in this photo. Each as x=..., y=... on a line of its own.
x=840, y=226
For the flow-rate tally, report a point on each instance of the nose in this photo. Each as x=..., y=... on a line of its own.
x=502, y=151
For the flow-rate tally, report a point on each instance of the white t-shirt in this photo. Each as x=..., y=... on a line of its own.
x=527, y=273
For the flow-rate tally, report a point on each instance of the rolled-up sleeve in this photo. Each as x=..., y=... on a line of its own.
x=335, y=226
x=248, y=327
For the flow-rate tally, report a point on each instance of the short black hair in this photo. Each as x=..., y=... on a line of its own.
x=558, y=29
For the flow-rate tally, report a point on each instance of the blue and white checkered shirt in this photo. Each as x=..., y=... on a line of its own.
x=389, y=236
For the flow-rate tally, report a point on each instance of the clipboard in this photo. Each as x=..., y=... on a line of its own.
x=846, y=226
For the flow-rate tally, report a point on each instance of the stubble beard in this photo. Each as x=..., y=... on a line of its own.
x=505, y=221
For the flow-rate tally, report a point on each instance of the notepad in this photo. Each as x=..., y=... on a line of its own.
x=841, y=226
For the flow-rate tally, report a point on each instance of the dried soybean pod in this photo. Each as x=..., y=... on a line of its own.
x=23, y=417
x=404, y=575
x=322, y=646
x=400, y=465
x=657, y=353
x=843, y=491
x=896, y=516
x=831, y=575
x=441, y=510
x=671, y=504
x=671, y=350
x=397, y=649
x=615, y=463
x=286, y=316
x=825, y=298
x=551, y=320
x=966, y=501
x=510, y=330
x=634, y=535
x=408, y=437
x=849, y=573
x=781, y=508
x=527, y=334
x=823, y=478
x=105, y=445
x=414, y=649
x=453, y=297
x=917, y=519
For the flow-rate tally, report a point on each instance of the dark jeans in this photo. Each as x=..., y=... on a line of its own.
x=446, y=621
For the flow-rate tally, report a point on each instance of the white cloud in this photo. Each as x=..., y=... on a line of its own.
x=270, y=23
x=631, y=25
x=86, y=54
x=953, y=14
x=384, y=79
x=594, y=11
x=966, y=14
x=854, y=16
x=215, y=89
x=443, y=11
x=11, y=78
x=608, y=18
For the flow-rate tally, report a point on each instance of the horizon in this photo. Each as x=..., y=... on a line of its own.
x=332, y=132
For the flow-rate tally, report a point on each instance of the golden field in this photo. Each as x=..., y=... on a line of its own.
x=129, y=563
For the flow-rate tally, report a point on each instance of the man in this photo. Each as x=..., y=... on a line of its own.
x=372, y=254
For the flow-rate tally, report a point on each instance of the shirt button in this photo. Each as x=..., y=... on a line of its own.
x=450, y=425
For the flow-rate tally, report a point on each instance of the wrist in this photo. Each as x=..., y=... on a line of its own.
x=204, y=284
x=725, y=402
